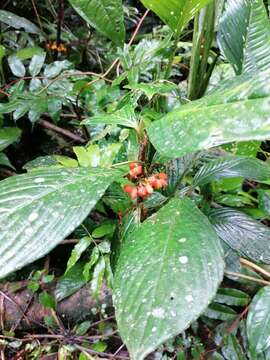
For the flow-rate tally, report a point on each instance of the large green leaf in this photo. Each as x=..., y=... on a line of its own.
x=106, y=16
x=39, y=209
x=238, y=110
x=233, y=166
x=258, y=321
x=7, y=136
x=244, y=35
x=242, y=233
x=165, y=266
x=175, y=13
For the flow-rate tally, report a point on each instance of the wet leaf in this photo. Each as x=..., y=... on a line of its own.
x=258, y=321
x=164, y=266
x=7, y=136
x=39, y=209
x=107, y=16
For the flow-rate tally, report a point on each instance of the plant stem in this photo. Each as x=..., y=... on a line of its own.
x=235, y=274
x=255, y=267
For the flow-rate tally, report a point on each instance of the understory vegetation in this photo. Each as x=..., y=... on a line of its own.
x=134, y=179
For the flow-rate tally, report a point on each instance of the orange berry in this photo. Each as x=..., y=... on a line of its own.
x=152, y=181
x=133, y=165
x=142, y=192
x=162, y=176
x=134, y=193
x=149, y=189
x=128, y=188
x=136, y=171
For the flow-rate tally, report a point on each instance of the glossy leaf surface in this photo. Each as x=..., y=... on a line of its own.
x=164, y=267
x=258, y=321
x=175, y=13
x=244, y=35
x=106, y=16
x=238, y=110
x=39, y=209
x=242, y=233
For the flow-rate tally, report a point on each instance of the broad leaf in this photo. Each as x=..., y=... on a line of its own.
x=244, y=35
x=175, y=13
x=238, y=110
x=258, y=321
x=164, y=267
x=106, y=16
x=38, y=210
x=18, y=22
x=7, y=136
x=233, y=166
x=125, y=116
x=242, y=233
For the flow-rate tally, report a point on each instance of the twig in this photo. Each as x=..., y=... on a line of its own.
x=235, y=274
x=138, y=28
x=37, y=14
x=46, y=124
x=255, y=267
x=93, y=352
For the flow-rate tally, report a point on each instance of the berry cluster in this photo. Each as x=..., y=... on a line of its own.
x=145, y=186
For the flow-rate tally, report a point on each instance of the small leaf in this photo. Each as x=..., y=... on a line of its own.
x=230, y=296
x=50, y=204
x=78, y=250
x=107, y=16
x=54, y=69
x=125, y=117
x=47, y=300
x=98, y=276
x=7, y=136
x=164, y=266
x=220, y=312
x=36, y=64
x=71, y=282
x=103, y=230
x=16, y=66
x=89, y=156
x=258, y=321
x=242, y=233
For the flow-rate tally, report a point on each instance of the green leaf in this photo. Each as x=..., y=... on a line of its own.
x=175, y=13
x=8, y=135
x=242, y=233
x=232, y=349
x=231, y=167
x=220, y=312
x=258, y=321
x=164, y=267
x=103, y=230
x=36, y=64
x=230, y=296
x=238, y=110
x=151, y=89
x=125, y=117
x=71, y=282
x=18, y=22
x=98, y=275
x=107, y=16
x=78, y=250
x=4, y=161
x=16, y=66
x=47, y=300
x=244, y=35
x=39, y=209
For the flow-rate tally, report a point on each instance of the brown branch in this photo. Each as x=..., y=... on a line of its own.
x=48, y=125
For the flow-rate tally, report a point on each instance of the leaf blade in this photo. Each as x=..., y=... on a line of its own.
x=50, y=204
x=106, y=16
x=162, y=292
